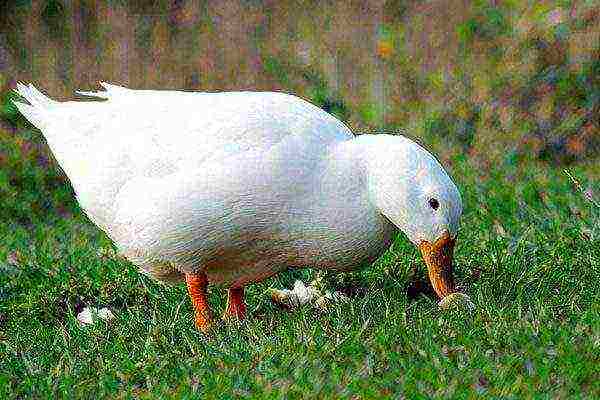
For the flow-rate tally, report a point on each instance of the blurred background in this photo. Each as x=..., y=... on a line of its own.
x=494, y=85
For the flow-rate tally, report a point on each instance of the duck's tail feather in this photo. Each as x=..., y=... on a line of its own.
x=38, y=107
x=109, y=90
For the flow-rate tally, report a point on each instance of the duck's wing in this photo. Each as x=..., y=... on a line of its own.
x=131, y=134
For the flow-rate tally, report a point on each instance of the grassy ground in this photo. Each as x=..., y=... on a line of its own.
x=499, y=81
x=529, y=256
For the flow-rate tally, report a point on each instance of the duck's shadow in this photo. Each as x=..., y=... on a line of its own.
x=417, y=287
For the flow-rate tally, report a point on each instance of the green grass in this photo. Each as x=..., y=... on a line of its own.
x=528, y=255
x=506, y=86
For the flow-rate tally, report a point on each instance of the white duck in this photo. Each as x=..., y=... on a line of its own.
x=234, y=187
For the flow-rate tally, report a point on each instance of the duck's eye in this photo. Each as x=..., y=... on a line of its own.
x=433, y=203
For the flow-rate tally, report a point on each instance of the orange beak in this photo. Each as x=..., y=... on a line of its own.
x=438, y=258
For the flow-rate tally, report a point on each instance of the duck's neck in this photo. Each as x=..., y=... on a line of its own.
x=343, y=212
x=353, y=173
x=375, y=158
x=384, y=175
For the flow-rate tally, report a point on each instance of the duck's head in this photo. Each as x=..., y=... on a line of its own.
x=411, y=189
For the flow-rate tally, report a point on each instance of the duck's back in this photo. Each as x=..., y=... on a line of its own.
x=149, y=136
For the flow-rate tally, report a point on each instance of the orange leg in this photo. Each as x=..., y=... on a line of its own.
x=235, y=304
x=196, y=285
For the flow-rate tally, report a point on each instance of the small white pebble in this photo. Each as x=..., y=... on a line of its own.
x=86, y=316
x=302, y=294
x=105, y=314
